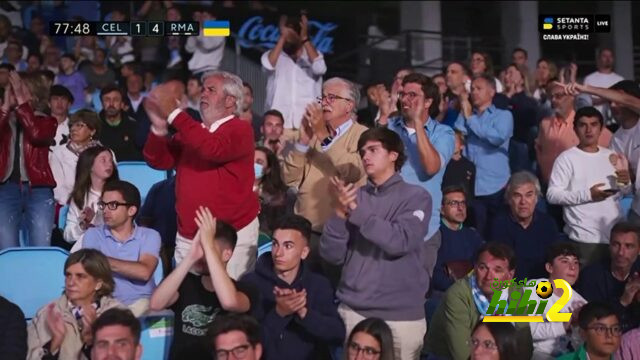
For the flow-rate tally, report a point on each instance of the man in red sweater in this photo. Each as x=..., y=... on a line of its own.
x=213, y=161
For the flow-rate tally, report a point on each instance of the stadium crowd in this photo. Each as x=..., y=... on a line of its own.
x=388, y=224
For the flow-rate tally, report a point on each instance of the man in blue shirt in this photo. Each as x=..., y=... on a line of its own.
x=429, y=147
x=132, y=250
x=488, y=131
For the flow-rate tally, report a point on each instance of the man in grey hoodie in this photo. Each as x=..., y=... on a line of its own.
x=377, y=236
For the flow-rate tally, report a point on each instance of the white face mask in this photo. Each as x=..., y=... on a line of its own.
x=257, y=169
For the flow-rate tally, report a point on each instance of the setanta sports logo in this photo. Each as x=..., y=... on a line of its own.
x=519, y=306
x=572, y=27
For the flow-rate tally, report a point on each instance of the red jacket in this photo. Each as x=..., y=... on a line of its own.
x=214, y=170
x=38, y=132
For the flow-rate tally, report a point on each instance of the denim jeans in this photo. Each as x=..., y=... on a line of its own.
x=33, y=207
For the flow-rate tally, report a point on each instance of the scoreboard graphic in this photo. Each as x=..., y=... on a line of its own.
x=133, y=28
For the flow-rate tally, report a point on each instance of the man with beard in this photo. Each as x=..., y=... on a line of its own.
x=295, y=73
x=118, y=129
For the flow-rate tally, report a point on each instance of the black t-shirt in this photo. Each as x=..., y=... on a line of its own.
x=194, y=311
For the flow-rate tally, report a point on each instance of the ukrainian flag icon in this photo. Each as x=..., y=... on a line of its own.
x=216, y=28
x=547, y=23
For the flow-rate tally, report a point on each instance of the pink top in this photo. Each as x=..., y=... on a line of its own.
x=630, y=346
x=555, y=136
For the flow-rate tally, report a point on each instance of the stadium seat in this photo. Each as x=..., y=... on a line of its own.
x=157, y=274
x=41, y=284
x=141, y=175
x=264, y=243
x=625, y=204
x=157, y=334
x=62, y=217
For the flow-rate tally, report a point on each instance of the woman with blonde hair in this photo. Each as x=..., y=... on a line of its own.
x=545, y=71
x=62, y=328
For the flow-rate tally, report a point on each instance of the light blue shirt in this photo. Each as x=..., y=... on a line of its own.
x=442, y=138
x=142, y=241
x=487, y=147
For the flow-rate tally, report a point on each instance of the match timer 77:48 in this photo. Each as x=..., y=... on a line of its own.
x=122, y=28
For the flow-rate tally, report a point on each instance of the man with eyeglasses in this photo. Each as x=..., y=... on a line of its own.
x=459, y=243
x=133, y=251
x=327, y=147
x=600, y=329
x=556, y=133
x=527, y=230
x=235, y=337
x=429, y=147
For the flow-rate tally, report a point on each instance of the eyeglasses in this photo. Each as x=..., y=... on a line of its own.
x=486, y=344
x=368, y=353
x=411, y=95
x=111, y=205
x=454, y=203
x=239, y=352
x=331, y=98
x=615, y=330
x=557, y=95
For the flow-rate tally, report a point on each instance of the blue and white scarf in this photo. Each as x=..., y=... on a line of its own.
x=481, y=301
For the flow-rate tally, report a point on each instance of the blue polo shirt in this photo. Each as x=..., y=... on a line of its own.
x=442, y=138
x=487, y=147
x=142, y=241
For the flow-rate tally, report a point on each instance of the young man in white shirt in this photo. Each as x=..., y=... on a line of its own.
x=588, y=186
x=550, y=339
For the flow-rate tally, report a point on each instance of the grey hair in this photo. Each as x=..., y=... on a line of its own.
x=232, y=86
x=354, y=91
x=521, y=178
x=488, y=78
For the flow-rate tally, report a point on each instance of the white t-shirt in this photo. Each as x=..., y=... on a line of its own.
x=604, y=81
x=627, y=142
x=574, y=173
x=550, y=339
x=62, y=130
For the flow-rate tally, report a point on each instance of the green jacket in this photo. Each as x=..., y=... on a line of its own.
x=455, y=318
x=581, y=354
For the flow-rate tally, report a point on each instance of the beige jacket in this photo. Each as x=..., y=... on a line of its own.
x=71, y=348
x=311, y=172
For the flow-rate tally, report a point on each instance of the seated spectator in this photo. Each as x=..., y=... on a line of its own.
x=297, y=312
x=271, y=131
x=60, y=99
x=98, y=74
x=116, y=332
x=586, y=183
x=96, y=166
x=459, y=243
x=235, y=334
x=133, y=251
x=551, y=339
x=371, y=338
x=73, y=80
x=488, y=130
x=616, y=280
x=601, y=331
x=13, y=331
x=118, y=129
x=246, y=111
x=13, y=55
x=198, y=299
x=629, y=346
x=207, y=50
x=525, y=229
x=135, y=96
x=381, y=227
x=276, y=199
x=159, y=213
x=460, y=171
x=495, y=341
x=52, y=59
x=62, y=328
x=466, y=302
x=34, y=63
x=84, y=125
x=26, y=181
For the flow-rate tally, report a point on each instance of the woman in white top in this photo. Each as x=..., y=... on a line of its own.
x=96, y=166
x=546, y=70
x=84, y=126
x=551, y=339
x=481, y=63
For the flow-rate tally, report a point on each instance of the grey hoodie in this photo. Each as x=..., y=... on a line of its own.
x=382, y=251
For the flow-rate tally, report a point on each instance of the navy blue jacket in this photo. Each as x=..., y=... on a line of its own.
x=530, y=244
x=596, y=283
x=456, y=245
x=291, y=337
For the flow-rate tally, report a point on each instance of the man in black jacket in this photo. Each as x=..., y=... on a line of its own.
x=13, y=331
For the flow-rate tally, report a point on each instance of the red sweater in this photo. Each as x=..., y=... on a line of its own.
x=214, y=170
